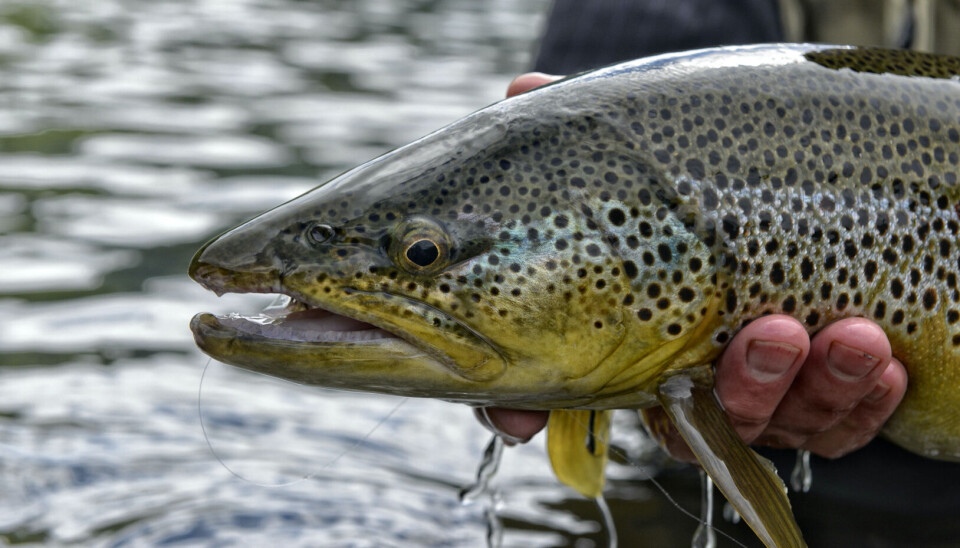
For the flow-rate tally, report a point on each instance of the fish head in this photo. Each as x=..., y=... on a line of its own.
x=486, y=263
x=460, y=249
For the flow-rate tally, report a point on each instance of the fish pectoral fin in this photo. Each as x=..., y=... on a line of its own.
x=748, y=481
x=577, y=441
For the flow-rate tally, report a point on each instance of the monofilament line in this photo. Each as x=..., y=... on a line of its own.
x=661, y=488
x=326, y=465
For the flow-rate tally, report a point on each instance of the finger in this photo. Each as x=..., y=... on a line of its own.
x=513, y=425
x=528, y=81
x=862, y=424
x=753, y=374
x=756, y=370
x=846, y=359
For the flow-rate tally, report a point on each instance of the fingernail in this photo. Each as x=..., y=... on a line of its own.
x=878, y=392
x=848, y=363
x=546, y=75
x=768, y=361
x=488, y=423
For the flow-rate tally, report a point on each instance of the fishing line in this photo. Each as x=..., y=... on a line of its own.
x=311, y=475
x=622, y=454
x=364, y=438
x=613, y=450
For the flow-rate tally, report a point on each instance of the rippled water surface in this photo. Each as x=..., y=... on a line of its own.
x=133, y=130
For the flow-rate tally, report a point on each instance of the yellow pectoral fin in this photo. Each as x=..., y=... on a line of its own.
x=577, y=443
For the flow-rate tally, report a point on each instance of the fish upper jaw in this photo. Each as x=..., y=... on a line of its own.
x=222, y=281
x=226, y=264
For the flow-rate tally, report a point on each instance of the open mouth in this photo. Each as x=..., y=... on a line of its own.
x=299, y=339
x=291, y=320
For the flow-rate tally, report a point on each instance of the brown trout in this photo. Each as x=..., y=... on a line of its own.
x=594, y=244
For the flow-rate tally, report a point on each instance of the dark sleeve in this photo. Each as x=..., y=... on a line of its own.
x=585, y=34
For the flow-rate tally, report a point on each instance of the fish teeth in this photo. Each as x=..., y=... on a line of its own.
x=283, y=306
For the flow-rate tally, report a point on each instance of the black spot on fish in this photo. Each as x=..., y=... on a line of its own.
x=665, y=254
x=777, y=273
x=617, y=217
x=929, y=299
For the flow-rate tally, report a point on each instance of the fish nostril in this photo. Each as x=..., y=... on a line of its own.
x=209, y=276
x=318, y=233
x=201, y=272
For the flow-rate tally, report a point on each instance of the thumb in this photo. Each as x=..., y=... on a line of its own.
x=528, y=81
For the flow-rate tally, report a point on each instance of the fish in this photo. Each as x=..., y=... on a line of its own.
x=594, y=244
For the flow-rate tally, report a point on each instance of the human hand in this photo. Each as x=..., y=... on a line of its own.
x=830, y=394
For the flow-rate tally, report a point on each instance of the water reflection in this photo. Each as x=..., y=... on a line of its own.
x=34, y=263
x=216, y=151
x=130, y=132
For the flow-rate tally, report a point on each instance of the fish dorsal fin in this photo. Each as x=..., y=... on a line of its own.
x=748, y=480
x=888, y=61
x=577, y=444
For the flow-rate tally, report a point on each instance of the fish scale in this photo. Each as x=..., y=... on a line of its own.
x=597, y=242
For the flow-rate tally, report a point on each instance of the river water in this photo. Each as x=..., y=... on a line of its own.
x=133, y=130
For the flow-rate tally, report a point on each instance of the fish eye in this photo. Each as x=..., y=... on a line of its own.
x=319, y=233
x=423, y=253
x=420, y=246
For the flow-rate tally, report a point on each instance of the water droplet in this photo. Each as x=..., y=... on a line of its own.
x=494, y=527
x=607, y=521
x=485, y=472
x=705, y=537
x=481, y=489
x=802, y=476
x=730, y=513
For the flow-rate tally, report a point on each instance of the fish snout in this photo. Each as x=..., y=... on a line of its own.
x=225, y=265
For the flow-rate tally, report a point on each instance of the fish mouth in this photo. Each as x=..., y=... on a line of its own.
x=310, y=345
x=292, y=320
x=300, y=339
x=293, y=338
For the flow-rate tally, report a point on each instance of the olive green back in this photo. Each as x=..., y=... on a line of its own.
x=888, y=61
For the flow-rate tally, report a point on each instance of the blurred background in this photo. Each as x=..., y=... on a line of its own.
x=131, y=131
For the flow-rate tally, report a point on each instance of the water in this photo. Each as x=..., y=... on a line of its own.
x=130, y=132
x=704, y=537
x=480, y=491
x=801, y=478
